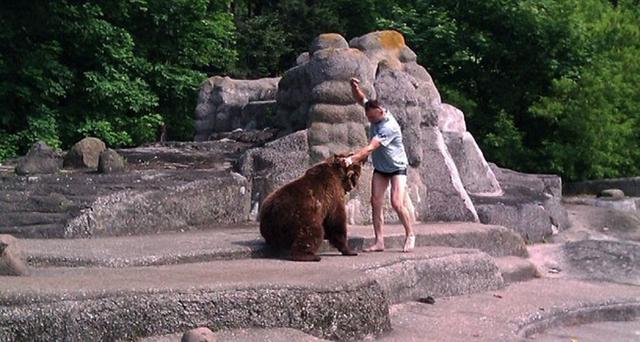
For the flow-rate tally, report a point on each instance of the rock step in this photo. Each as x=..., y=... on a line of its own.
x=123, y=204
x=55, y=203
x=33, y=218
x=516, y=312
x=339, y=298
x=49, y=230
x=495, y=240
x=515, y=269
x=247, y=335
x=244, y=241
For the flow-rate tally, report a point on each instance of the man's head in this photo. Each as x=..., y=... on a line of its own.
x=374, y=111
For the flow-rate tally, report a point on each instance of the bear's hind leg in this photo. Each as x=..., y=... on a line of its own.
x=307, y=243
x=336, y=231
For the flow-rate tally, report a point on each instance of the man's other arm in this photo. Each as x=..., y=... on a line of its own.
x=357, y=91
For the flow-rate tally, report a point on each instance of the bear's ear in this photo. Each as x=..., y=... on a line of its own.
x=335, y=161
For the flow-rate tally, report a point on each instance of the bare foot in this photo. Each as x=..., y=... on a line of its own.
x=377, y=247
x=409, y=243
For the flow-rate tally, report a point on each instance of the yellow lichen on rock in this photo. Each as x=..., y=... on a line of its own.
x=391, y=40
x=330, y=37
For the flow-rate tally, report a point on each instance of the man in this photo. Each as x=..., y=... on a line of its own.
x=390, y=167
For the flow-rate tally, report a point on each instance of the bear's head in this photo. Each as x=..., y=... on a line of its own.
x=349, y=175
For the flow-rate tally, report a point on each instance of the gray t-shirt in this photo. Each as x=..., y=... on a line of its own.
x=390, y=156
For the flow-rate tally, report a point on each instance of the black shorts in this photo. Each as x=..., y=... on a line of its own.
x=391, y=174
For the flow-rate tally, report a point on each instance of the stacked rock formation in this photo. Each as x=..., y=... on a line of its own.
x=316, y=95
x=317, y=117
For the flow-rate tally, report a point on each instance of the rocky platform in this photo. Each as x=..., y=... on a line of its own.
x=168, y=187
x=520, y=312
x=128, y=287
x=569, y=310
x=154, y=287
x=244, y=241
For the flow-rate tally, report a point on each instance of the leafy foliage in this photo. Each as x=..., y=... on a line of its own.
x=546, y=85
x=117, y=70
x=595, y=116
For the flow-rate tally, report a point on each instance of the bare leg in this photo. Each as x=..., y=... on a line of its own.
x=398, y=193
x=379, y=184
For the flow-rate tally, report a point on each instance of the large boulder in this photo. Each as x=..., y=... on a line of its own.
x=273, y=165
x=164, y=201
x=41, y=159
x=611, y=193
x=84, y=154
x=607, y=260
x=221, y=103
x=476, y=174
x=327, y=41
x=110, y=161
x=531, y=204
x=445, y=198
x=202, y=334
x=11, y=260
x=451, y=119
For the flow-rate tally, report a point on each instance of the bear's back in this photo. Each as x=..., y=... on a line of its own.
x=297, y=204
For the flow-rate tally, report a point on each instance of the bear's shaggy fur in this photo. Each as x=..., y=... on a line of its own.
x=300, y=214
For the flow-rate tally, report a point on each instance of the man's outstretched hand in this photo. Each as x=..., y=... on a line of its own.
x=346, y=162
x=357, y=92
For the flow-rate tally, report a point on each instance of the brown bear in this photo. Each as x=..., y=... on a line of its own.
x=303, y=212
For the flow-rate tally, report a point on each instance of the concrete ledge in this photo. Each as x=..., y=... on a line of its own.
x=515, y=312
x=628, y=204
x=582, y=315
x=244, y=241
x=248, y=335
x=344, y=314
x=630, y=186
x=492, y=239
x=218, y=243
x=340, y=298
x=453, y=275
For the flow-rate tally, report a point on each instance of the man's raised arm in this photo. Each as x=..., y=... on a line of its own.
x=357, y=92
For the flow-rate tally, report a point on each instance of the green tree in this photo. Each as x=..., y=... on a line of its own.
x=595, y=115
x=264, y=43
x=494, y=59
x=117, y=69
x=271, y=34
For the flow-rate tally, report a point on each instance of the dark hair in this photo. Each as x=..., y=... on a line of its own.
x=372, y=104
